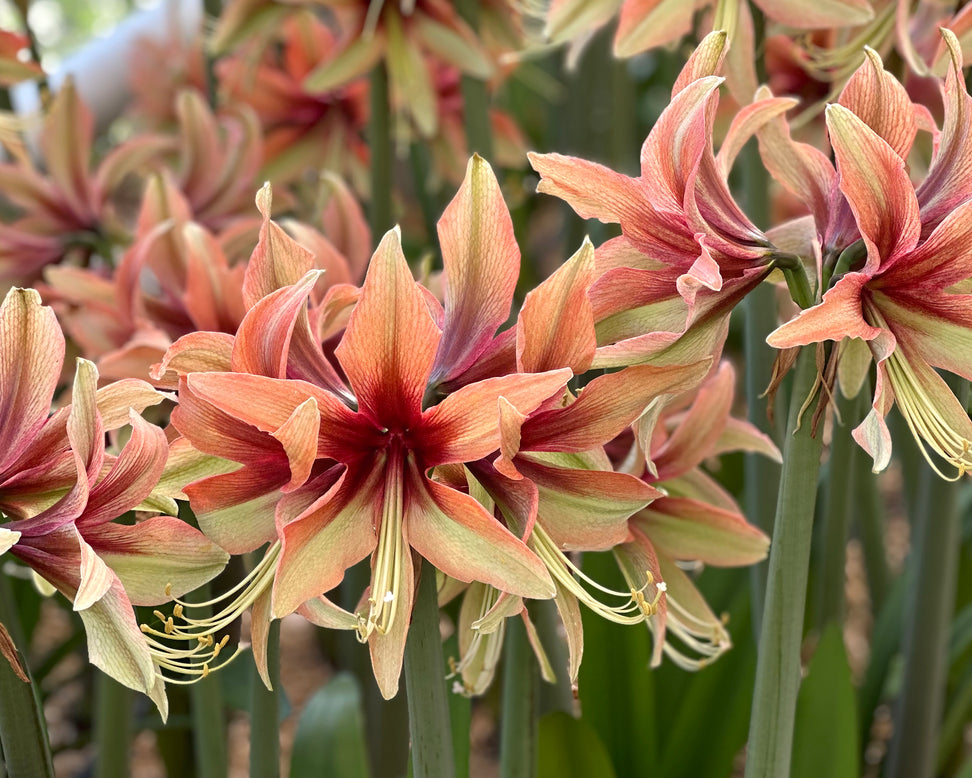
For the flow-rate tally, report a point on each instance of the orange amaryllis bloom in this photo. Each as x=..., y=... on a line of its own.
x=696, y=521
x=65, y=208
x=899, y=298
x=60, y=492
x=345, y=466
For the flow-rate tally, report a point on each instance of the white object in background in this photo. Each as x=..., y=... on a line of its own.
x=100, y=70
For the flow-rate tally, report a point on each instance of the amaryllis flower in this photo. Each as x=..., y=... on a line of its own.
x=65, y=207
x=898, y=298
x=344, y=466
x=13, y=68
x=60, y=492
x=683, y=234
x=696, y=521
x=303, y=129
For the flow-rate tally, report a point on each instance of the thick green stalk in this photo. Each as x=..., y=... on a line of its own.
x=428, y=705
x=23, y=731
x=842, y=497
x=762, y=475
x=870, y=524
x=519, y=718
x=781, y=633
x=936, y=527
x=265, y=713
x=208, y=722
x=557, y=695
x=113, y=727
x=380, y=145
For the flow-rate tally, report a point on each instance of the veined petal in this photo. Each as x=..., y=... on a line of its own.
x=605, y=407
x=388, y=650
x=96, y=577
x=197, y=352
x=31, y=355
x=463, y=427
x=157, y=559
x=645, y=24
x=876, y=184
x=688, y=529
x=337, y=531
x=236, y=509
x=298, y=435
x=391, y=340
x=481, y=265
x=584, y=510
x=592, y=190
x=839, y=315
x=277, y=261
x=879, y=100
x=555, y=327
x=453, y=532
x=827, y=13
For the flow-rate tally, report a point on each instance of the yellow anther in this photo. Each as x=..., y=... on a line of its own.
x=177, y=611
x=224, y=641
x=168, y=590
x=145, y=627
x=169, y=626
x=205, y=670
x=205, y=640
x=159, y=615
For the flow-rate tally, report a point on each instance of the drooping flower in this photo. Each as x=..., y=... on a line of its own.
x=60, y=492
x=66, y=207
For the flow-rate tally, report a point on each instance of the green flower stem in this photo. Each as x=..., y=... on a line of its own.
x=936, y=528
x=428, y=705
x=380, y=144
x=23, y=731
x=762, y=475
x=113, y=726
x=265, y=713
x=208, y=722
x=778, y=663
x=475, y=95
x=519, y=718
x=842, y=497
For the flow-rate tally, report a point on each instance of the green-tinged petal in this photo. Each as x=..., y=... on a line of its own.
x=356, y=59
x=236, y=509
x=464, y=428
x=186, y=464
x=197, y=352
x=570, y=614
x=746, y=123
x=875, y=181
x=567, y=19
x=646, y=24
x=453, y=532
x=555, y=327
x=96, y=577
x=388, y=650
x=456, y=45
x=687, y=529
x=157, y=559
x=853, y=366
x=324, y=613
x=481, y=262
x=740, y=435
x=260, y=618
x=337, y=531
x=606, y=406
x=584, y=510
x=408, y=76
x=66, y=140
x=277, y=261
x=31, y=355
x=115, y=643
x=879, y=100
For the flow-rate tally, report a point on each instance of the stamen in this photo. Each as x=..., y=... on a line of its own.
x=634, y=611
x=389, y=557
x=196, y=662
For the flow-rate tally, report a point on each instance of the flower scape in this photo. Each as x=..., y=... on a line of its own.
x=283, y=354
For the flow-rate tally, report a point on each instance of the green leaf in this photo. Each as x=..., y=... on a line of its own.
x=825, y=741
x=570, y=748
x=330, y=736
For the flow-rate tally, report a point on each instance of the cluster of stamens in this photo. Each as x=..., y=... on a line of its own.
x=636, y=608
x=189, y=648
